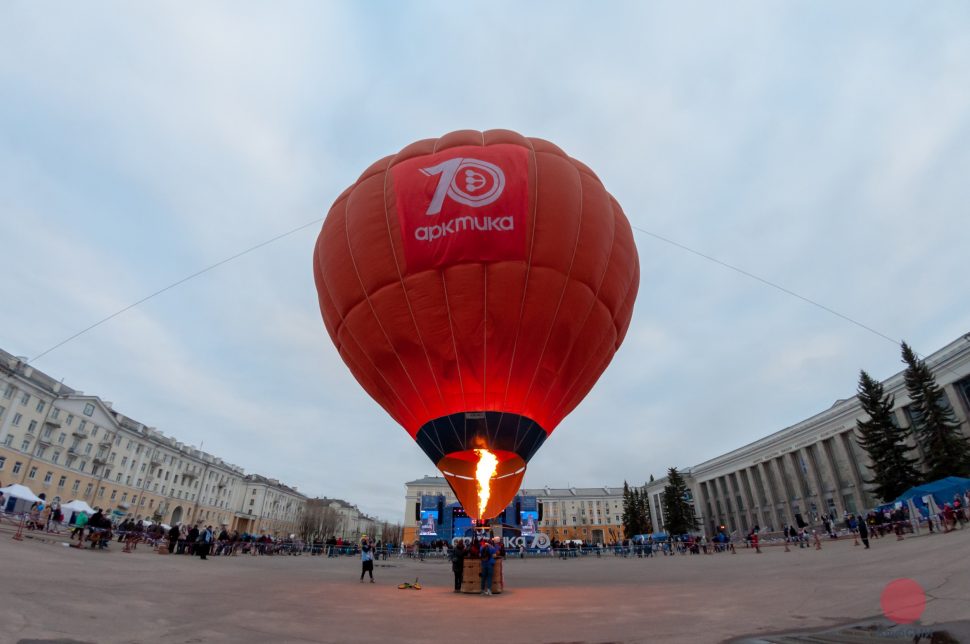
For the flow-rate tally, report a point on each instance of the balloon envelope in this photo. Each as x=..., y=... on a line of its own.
x=477, y=285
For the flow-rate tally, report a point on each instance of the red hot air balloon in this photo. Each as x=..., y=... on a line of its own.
x=477, y=285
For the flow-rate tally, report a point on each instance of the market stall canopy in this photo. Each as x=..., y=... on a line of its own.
x=22, y=492
x=76, y=505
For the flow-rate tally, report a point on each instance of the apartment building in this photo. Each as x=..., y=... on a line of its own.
x=589, y=514
x=70, y=445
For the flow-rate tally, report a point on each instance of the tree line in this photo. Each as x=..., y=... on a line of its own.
x=930, y=448
x=676, y=504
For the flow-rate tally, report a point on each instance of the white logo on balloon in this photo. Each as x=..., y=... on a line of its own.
x=461, y=179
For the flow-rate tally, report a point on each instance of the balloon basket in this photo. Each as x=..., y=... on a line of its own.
x=471, y=581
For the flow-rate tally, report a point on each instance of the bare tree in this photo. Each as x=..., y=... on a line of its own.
x=391, y=532
x=319, y=521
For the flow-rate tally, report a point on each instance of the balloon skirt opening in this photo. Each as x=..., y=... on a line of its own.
x=462, y=471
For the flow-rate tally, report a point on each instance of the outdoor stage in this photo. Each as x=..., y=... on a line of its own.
x=48, y=591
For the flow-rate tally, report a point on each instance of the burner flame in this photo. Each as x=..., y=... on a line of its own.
x=484, y=471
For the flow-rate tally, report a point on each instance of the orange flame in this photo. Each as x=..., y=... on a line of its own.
x=484, y=471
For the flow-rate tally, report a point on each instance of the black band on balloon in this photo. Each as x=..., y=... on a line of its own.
x=474, y=430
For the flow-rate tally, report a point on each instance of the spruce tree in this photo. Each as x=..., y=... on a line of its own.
x=946, y=451
x=678, y=513
x=646, y=526
x=629, y=520
x=636, y=511
x=893, y=470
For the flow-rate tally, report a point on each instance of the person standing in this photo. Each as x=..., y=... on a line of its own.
x=191, y=541
x=80, y=521
x=864, y=533
x=205, y=542
x=366, y=560
x=487, y=554
x=458, y=563
x=173, y=538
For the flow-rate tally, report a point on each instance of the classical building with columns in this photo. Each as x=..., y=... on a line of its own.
x=794, y=476
x=815, y=468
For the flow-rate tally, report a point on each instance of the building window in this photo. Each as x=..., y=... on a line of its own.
x=87, y=448
x=61, y=438
x=25, y=399
x=61, y=482
x=134, y=498
x=3, y=459
x=114, y=494
x=89, y=409
x=40, y=406
x=56, y=457
x=124, y=461
x=33, y=473
x=48, y=477
x=77, y=484
x=8, y=441
x=16, y=467
x=87, y=490
x=16, y=420
x=101, y=492
x=8, y=392
x=55, y=413
x=2, y=409
x=25, y=446
x=70, y=419
x=118, y=478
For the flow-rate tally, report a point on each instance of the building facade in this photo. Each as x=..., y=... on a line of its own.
x=338, y=518
x=795, y=476
x=589, y=514
x=812, y=469
x=69, y=445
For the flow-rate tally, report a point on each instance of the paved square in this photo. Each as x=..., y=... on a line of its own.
x=53, y=592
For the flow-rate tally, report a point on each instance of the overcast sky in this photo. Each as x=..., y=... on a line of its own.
x=822, y=146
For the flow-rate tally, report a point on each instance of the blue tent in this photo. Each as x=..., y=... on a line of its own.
x=643, y=538
x=942, y=491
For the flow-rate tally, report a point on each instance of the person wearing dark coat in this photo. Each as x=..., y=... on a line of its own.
x=173, y=538
x=458, y=563
x=191, y=541
x=864, y=532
